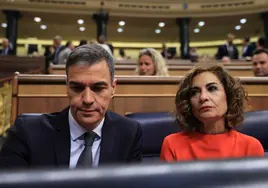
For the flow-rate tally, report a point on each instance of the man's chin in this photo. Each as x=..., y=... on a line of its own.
x=89, y=122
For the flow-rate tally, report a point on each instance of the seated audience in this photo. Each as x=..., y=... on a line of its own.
x=6, y=50
x=85, y=134
x=260, y=62
x=151, y=63
x=228, y=49
x=209, y=104
x=64, y=54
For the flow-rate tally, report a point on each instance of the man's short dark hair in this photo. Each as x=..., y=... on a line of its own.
x=259, y=51
x=247, y=39
x=68, y=43
x=88, y=55
x=82, y=42
x=261, y=41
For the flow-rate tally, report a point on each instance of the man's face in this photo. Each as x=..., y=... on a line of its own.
x=230, y=39
x=5, y=43
x=56, y=42
x=90, y=91
x=244, y=42
x=260, y=64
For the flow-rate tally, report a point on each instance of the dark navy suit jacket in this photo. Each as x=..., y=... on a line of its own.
x=44, y=141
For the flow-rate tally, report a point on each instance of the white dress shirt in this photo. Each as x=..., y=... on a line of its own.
x=78, y=143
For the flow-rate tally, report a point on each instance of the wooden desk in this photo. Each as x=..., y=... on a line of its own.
x=47, y=93
x=181, y=62
x=27, y=65
x=128, y=70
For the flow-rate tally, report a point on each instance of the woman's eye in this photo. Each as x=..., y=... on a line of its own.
x=212, y=88
x=193, y=93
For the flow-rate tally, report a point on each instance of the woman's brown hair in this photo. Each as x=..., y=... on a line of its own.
x=235, y=95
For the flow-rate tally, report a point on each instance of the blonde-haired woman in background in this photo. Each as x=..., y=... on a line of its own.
x=151, y=63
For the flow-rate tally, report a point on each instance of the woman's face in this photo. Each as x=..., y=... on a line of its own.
x=208, y=98
x=146, y=66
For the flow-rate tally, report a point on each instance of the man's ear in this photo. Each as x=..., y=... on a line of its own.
x=66, y=80
x=114, y=86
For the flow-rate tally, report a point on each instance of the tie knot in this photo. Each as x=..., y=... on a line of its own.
x=89, y=138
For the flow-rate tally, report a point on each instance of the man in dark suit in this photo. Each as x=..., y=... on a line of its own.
x=7, y=50
x=228, y=49
x=52, y=52
x=85, y=134
x=248, y=48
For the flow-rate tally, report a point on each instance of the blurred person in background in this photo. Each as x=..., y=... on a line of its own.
x=247, y=48
x=260, y=44
x=164, y=51
x=122, y=55
x=64, y=54
x=226, y=59
x=6, y=48
x=193, y=55
x=93, y=41
x=151, y=63
x=103, y=43
x=209, y=105
x=228, y=49
x=52, y=52
x=82, y=42
x=260, y=62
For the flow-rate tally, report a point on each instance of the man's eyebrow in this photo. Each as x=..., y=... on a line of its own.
x=101, y=83
x=75, y=83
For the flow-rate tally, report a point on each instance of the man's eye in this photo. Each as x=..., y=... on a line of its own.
x=77, y=88
x=98, y=89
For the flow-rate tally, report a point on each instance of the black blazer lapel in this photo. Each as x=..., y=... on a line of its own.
x=62, y=138
x=107, y=140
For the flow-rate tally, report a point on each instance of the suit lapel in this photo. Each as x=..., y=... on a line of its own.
x=107, y=140
x=62, y=138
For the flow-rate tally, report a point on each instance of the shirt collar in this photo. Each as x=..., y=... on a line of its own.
x=76, y=130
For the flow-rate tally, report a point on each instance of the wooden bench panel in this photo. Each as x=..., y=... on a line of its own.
x=39, y=94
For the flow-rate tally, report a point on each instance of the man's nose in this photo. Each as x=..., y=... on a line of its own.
x=258, y=66
x=88, y=97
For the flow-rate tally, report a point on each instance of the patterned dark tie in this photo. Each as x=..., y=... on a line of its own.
x=85, y=159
